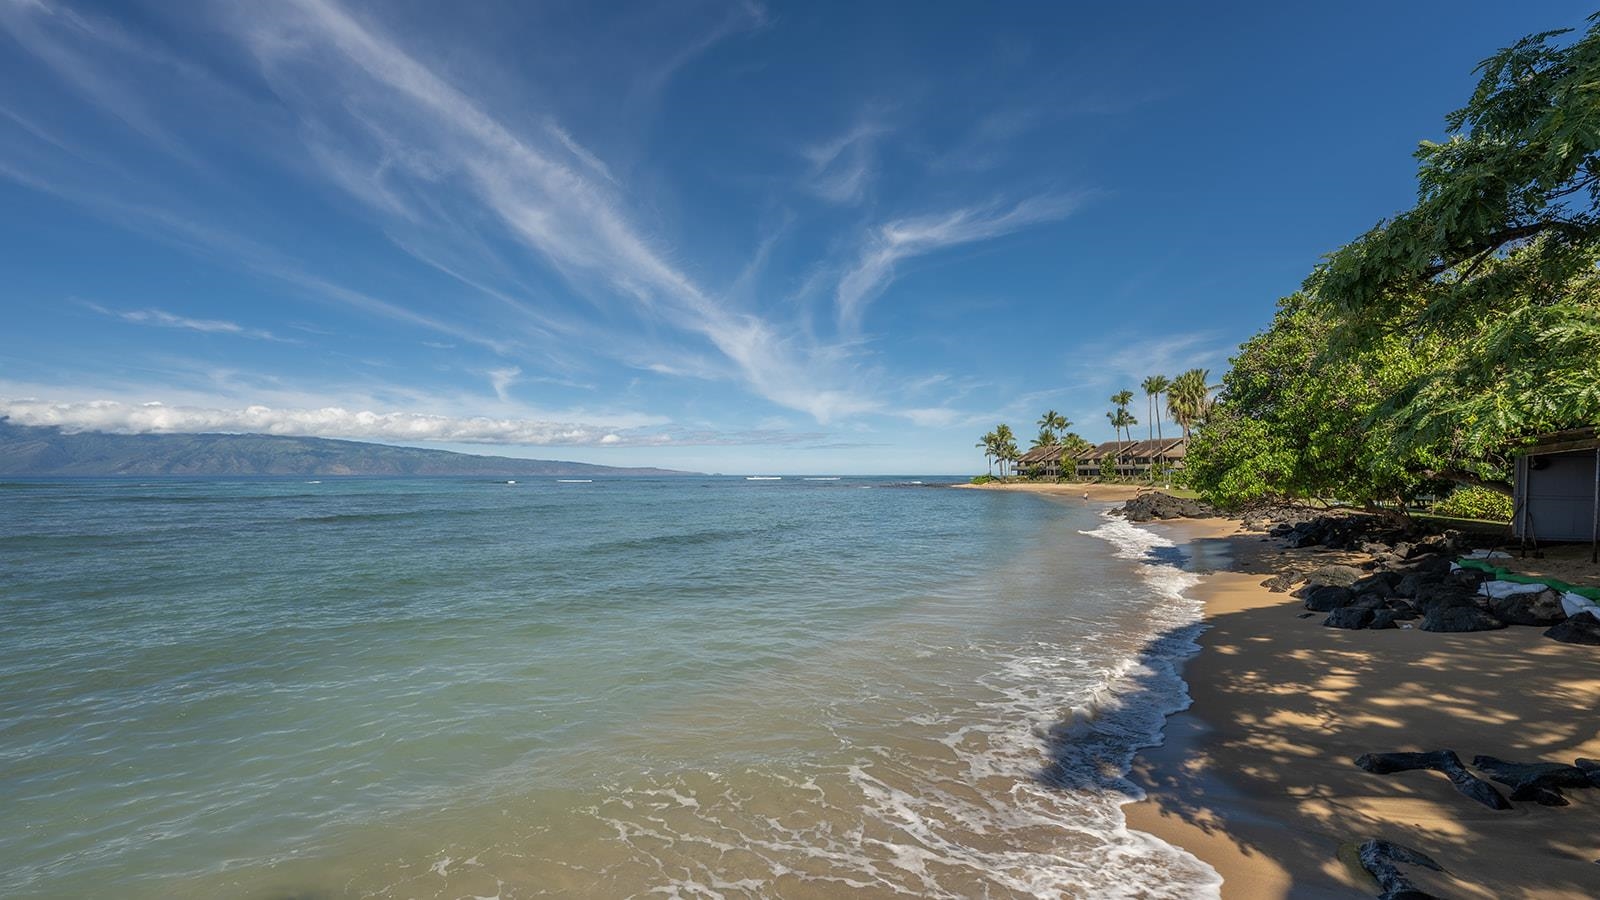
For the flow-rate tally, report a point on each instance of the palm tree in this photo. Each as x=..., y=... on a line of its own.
x=1153, y=388
x=1127, y=421
x=1122, y=420
x=1005, y=445
x=1053, y=423
x=1189, y=399
x=987, y=445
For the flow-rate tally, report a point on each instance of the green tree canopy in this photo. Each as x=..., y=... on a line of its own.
x=1497, y=259
x=1434, y=344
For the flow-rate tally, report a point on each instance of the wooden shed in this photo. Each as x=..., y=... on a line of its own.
x=1557, y=489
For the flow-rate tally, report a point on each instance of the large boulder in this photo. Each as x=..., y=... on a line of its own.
x=1410, y=583
x=1542, y=608
x=1328, y=598
x=1381, y=583
x=1370, y=601
x=1336, y=576
x=1403, y=611
x=1386, y=618
x=1279, y=583
x=1579, y=629
x=1448, y=618
x=1156, y=505
x=1430, y=596
x=1348, y=617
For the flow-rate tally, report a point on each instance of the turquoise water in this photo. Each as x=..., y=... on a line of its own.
x=679, y=687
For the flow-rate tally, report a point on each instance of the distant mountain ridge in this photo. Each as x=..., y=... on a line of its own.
x=40, y=450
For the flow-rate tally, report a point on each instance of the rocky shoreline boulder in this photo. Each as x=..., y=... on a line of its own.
x=1542, y=608
x=1156, y=505
x=1450, y=618
x=1579, y=629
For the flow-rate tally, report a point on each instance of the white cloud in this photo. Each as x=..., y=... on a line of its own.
x=919, y=235
x=331, y=421
x=164, y=319
x=120, y=417
x=575, y=222
x=933, y=417
x=578, y=151
x=1133, y=359
x=501, y=379
x=842, y=167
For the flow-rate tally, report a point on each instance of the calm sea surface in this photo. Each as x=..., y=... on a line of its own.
x=698, y=687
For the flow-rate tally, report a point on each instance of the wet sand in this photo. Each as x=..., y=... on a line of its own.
x=1257, y=777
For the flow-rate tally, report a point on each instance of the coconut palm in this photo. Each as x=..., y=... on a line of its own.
x=1189, y=399
x=1154, y=386
x=1053, y=424
x=1005, y=445
x=1122, y=421
x=987, y=445
x=1127, y=421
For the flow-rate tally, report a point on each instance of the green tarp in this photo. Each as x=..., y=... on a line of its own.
x=1504, y=575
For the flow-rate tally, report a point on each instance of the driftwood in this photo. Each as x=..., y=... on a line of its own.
x=1539, y=782
x=1380, y=859
x=1444, y=761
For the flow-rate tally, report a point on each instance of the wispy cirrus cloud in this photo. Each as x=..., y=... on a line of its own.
x=163, y=319
x=841, y=168
x=1133, y=358
x=902, y=239
x=502, y=380
x=577, y=223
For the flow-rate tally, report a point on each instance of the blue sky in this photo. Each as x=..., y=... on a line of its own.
x=729, y=237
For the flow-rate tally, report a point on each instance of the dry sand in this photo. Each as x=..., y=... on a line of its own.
x=1064, y=490
x=1257, y=777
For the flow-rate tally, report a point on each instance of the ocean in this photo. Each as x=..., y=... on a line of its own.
x=685, y=687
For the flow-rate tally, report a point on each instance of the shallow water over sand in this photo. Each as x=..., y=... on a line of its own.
x=688, y=687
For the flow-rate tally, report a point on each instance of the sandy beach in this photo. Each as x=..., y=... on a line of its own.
x=1064, y=490
x=1257, y=777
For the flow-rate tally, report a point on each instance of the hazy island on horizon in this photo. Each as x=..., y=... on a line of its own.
x=30, y=450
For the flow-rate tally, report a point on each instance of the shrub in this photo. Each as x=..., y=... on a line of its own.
x=983, y=479
x=1476, y=503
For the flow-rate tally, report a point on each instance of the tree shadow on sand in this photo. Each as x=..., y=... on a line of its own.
x=1284, y=706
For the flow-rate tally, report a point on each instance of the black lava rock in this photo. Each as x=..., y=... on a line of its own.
x=1452, y=619
x=1579, y=629
x=1328, y=598
x=1542, y=608
x=1348, y=617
